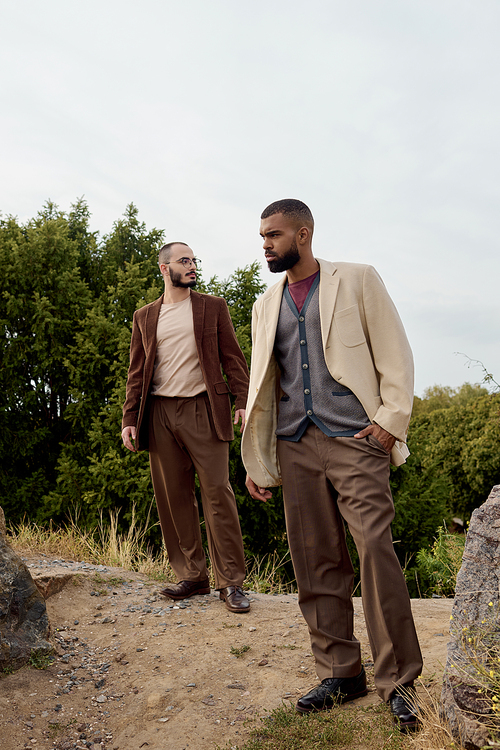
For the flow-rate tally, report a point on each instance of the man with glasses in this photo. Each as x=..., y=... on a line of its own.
x=177, y=405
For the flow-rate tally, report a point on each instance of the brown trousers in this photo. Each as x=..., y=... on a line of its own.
x=326, y=480
x=182, y=441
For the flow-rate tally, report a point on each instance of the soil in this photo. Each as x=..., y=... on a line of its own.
x=133, y=669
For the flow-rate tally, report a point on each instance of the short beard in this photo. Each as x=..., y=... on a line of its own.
x=176, y=279
x=287, y=261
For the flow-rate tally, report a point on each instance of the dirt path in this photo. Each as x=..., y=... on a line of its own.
x=135, y=670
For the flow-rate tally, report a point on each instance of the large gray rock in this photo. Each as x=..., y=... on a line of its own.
x=24, y=625
x=475, y=632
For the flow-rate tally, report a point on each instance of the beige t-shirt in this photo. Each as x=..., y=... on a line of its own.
x=177, y=369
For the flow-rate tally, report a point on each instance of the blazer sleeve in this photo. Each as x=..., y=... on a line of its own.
x=392, y=356
x=232, y=358
x=135, y=376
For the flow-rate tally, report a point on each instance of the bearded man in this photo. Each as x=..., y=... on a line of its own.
x=177, y=405
x=330, y=397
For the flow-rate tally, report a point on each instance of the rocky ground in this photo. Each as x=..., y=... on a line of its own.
x=135, y=670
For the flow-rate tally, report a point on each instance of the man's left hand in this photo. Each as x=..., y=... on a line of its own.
x=240, y=414
x=385, y=438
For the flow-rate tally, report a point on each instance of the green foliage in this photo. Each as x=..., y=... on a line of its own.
x=443, y=397
x=460, y=444
x=40, y=659
x=65, y=323
x=437, y=568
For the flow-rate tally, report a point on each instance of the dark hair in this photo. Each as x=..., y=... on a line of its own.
x=164, y=252
x=292, y=208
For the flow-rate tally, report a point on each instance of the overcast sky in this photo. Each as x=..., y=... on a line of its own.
x=382, y=115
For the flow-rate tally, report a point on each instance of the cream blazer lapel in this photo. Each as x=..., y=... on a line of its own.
x=271, y=312
x=328, y=288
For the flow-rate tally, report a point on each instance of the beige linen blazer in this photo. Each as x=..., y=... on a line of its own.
x=365, y=348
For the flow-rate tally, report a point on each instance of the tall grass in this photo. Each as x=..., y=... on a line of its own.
x=438, y=567
x=104, y=545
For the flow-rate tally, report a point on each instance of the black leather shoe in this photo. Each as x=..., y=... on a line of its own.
x=185, y=589
x=404, y=707
x=235, y=599
x=331, y=692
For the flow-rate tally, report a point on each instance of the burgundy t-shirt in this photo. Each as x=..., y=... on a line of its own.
x=300, y=289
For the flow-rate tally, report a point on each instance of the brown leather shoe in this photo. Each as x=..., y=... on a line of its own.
x=235, y=599
x=185, y=589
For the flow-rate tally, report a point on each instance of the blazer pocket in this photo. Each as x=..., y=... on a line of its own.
x=349, y=326
x=221, y=388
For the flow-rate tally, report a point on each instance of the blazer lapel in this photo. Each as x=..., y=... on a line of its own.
x=152, y=315
x=198, y=304
x=271, y=312
x=328, y=288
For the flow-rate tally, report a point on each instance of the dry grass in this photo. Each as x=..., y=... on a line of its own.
x=101, y=546
x=266, y=575
x=434, y=733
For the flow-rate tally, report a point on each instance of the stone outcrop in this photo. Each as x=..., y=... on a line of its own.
x=48, y=585
x=467, y=699
x=24, y=625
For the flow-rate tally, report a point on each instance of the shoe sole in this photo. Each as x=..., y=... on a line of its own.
x=188, y=596
x=237, y=611
x=234, y=609
x=338, y=702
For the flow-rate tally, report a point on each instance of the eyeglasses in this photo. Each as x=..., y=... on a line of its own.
x=186, y=262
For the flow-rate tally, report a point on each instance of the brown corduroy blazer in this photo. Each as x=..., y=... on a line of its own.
x=217, y=346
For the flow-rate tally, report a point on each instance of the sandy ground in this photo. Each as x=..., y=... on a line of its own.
x=136, y=670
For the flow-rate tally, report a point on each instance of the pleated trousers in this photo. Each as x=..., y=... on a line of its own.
x=182, y=442
x=327, y=481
